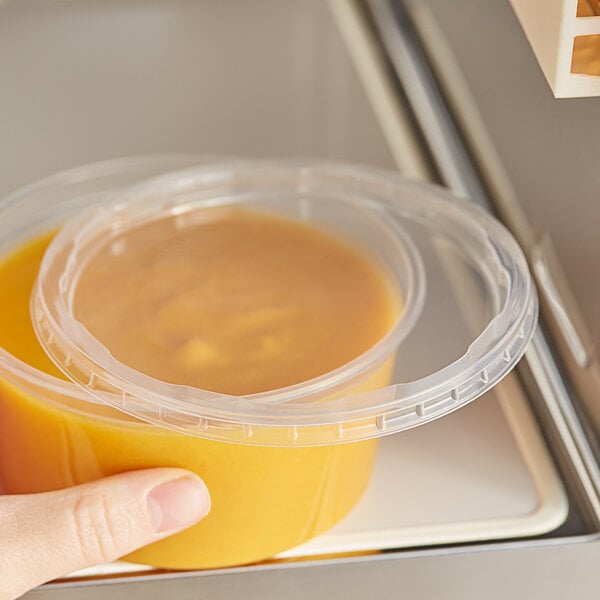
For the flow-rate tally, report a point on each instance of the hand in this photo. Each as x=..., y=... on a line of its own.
x=44, y=536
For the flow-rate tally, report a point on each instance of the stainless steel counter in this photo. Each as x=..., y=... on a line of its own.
x=494, y=573
x=93, y=79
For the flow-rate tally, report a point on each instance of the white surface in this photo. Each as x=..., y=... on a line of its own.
x=481, y=473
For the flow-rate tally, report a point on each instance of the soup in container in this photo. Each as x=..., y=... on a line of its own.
x=260, y=323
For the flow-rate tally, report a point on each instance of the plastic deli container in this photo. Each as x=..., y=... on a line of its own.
x=285, y=464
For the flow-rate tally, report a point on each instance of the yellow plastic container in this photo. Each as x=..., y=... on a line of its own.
x=274, y=484
x=282, y=465
x=264, y=499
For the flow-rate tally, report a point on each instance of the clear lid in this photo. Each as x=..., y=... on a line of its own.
x=469, y=307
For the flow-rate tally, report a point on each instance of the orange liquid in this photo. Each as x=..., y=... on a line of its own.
x=264, y=500
x=240, y=303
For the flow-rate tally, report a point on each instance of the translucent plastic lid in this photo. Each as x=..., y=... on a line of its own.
x=469, y=307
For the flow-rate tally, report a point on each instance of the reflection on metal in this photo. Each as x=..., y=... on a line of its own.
x=392, y=115
x=544, y=265
x=427, y=104
x=565, y=419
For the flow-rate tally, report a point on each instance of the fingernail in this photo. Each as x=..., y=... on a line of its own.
x=177, y=504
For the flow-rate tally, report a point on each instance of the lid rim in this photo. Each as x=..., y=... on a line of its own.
x=192, y=408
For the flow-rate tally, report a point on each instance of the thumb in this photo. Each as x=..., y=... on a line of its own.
x=44, y=536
